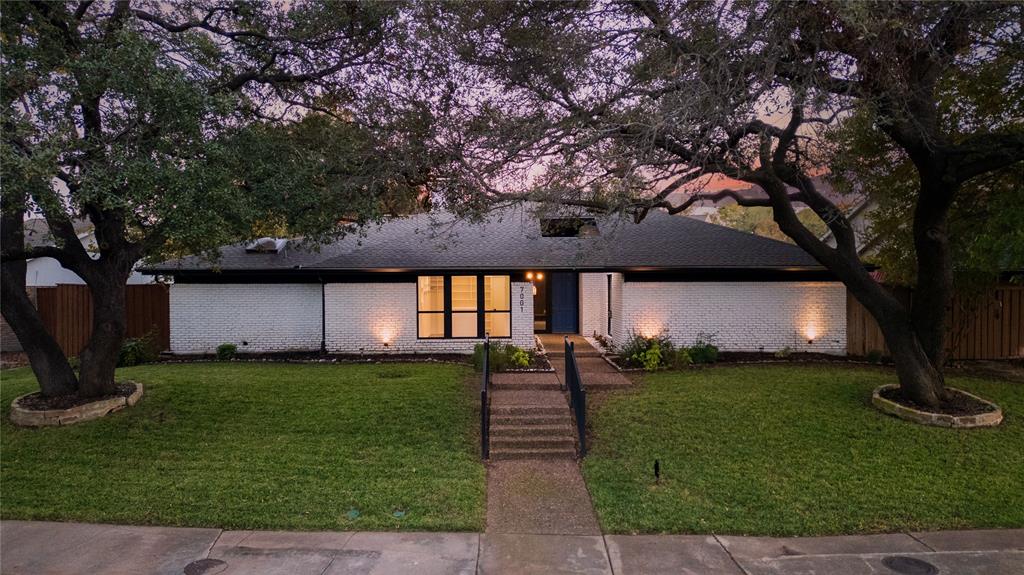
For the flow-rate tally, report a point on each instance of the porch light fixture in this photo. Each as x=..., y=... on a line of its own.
x=811, y=332
x=529, y=276
x=540, y=276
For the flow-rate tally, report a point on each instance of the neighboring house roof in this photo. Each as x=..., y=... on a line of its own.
x=37, y=231
x=860, y=221
x=512, y=239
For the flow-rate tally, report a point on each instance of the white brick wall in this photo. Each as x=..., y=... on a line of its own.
x=593, y=303
x=255, y=317
x=361, y=316
x=743, y=316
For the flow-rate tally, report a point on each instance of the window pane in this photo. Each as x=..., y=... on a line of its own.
x=463, y=293
x=498, y=324
x=464, y=325
x=497, y=292
x=431, y=293
x=431, y=325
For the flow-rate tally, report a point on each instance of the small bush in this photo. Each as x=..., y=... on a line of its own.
x=682, y=358
x=519, y=358
x=784, y=352
x=704, y=349
x=649, y=353
x=604, y=342
x=875, y=356
x=136, y=350
x=226, y=351
x=502, y=357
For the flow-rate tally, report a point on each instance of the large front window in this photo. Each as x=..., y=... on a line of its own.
x=464, y=306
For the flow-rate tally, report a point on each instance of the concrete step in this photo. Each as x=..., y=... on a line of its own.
x=507, y=454
x=516, y=420
x=501, y=410
x=525, y=385
x=530, y=430
x=563, y=442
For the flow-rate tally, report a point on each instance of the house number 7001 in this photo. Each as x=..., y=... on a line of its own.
x=522, y=299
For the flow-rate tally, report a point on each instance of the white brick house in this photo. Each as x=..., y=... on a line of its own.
x=428, y=284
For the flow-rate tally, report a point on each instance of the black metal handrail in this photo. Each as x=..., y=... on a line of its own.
x=577, y=395
x=485, y=402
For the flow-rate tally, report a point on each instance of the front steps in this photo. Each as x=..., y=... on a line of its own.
x=530, y=419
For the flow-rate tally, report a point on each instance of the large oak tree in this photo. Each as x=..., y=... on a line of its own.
x=631, y=106
x=174, y=128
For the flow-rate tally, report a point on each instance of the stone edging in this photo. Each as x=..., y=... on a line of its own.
x=76, y=414
x=989, y=419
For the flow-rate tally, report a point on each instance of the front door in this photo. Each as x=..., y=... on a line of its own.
x=564, y=303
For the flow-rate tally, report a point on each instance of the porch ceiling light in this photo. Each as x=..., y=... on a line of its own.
x=529, y=276
x=540, y=276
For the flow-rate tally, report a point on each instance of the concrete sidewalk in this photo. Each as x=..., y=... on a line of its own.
x=72, y=548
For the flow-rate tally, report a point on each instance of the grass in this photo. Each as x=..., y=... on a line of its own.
x=797, y=450
x=252, y=445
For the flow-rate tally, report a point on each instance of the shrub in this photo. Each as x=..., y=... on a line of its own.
x=519, y=358
x=681, y=358
x=226, y=351
x=784, y=352
x=651, y=359
x=875, y=356
x=649, y=353
x=704, y=349
x=604, y=342
x=502, y=357
x=136, y=350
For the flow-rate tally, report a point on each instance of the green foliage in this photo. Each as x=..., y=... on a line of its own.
x=682, y=358
x=759, y=220
x=503, y=356
x=986, y=218
x=649, y=353
x=202, y=431
x=875, y=356
x=784, y=352
x=779, y=450
x=518, y=358
x=138, y=350
x=226, y=351
x=704, y=349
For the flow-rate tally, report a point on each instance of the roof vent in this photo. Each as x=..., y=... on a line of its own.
x=266, y=246
x=569, y=227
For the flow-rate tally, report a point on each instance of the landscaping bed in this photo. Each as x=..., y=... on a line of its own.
x=797, y=450
x=259, y=446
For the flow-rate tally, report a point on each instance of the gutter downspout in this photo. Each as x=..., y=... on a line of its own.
x=323, y=317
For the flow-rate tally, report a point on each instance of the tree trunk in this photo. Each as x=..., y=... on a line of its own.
x=109, y=325
x=920, y=380
x=51, y=367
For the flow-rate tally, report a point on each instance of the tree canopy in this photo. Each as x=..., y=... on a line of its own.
x=177, y=128
x=630, y=106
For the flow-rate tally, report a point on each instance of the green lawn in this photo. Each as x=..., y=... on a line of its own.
x=797, y=450
x=253, y=445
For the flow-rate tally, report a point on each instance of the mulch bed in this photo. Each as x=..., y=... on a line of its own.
x=315, y=357
x=958, y=404
x=10, y=359
x=36, y=401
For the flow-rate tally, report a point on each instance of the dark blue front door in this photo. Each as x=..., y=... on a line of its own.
x=564, y=302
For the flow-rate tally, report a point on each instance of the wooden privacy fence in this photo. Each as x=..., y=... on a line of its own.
x=990, y=327
x=66, y=311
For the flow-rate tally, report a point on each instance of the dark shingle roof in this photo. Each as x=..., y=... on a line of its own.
x=511, y=239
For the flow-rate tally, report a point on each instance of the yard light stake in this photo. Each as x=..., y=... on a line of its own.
x=657, y=471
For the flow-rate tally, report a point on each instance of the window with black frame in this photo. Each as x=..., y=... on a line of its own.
x=463, y=306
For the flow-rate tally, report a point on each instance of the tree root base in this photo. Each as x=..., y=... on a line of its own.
x=25, y=416
x=989, y=418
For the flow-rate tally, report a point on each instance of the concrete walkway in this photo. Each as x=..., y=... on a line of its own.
x=72, y=548
x=596, y=373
